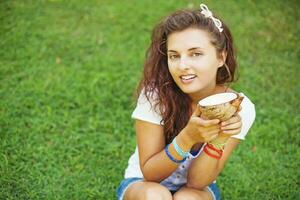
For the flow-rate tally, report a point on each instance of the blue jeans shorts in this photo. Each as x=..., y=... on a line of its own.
x=212, y=188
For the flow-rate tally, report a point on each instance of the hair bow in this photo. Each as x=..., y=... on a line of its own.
x=207, y=13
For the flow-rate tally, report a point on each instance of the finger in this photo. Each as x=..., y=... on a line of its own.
x=232, y=132
x=232, y=126
x=207, y=123
x=233, y=119
x=197, y=112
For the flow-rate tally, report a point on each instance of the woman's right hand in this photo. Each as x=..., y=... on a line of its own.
x=199, y=130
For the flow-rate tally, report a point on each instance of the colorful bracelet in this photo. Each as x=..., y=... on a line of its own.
x=171, y=157
x=182, y=153
x=210, y=154
x=220, y=152
x=212, y=147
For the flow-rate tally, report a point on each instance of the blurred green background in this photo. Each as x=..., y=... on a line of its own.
x=68, y=71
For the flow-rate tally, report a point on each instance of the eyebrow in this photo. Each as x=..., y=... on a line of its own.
x=194, y=48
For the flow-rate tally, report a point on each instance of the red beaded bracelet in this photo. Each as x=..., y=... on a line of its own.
x=212, y=155
x=212, y=147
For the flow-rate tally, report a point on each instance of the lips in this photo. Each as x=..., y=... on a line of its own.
x=188, y=77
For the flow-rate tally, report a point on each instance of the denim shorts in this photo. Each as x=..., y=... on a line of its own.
x=212, y=188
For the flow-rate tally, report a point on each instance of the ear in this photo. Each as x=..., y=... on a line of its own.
x=222, y=58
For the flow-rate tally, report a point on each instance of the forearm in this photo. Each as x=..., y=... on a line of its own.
x=159, y=166
x=204, y=169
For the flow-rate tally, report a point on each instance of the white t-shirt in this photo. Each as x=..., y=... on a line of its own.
x=144, y=111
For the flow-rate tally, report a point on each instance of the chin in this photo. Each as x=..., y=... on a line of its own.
x=190, y=90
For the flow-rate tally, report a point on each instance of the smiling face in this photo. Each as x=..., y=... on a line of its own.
x=193, y=60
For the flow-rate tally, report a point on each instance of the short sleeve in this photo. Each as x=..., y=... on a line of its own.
x=145, y=110
x=248, y=116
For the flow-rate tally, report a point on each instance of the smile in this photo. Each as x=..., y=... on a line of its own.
x=188, y=77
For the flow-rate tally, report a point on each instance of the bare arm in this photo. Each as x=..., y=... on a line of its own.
x=204, y=169
x=154, y=163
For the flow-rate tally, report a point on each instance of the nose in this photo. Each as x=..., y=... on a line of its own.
x=183, y=64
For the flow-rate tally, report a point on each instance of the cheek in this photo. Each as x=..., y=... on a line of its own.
x=173, y=73
x=171, y=69
x=206, y=69
x=206, y=66
x=207, y=73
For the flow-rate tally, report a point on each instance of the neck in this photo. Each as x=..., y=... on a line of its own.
x=210, y=90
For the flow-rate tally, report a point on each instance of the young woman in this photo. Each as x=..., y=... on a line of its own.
x=179, y=155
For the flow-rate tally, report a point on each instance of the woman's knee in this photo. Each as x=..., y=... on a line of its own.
x=191, y=194
x=184, y=196
x=156, y=191
x=148, y=191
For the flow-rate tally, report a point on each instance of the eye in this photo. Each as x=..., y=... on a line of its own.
x=173, y=56
x=196, y=54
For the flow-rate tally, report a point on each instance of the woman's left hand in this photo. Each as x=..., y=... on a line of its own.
x=231, y=126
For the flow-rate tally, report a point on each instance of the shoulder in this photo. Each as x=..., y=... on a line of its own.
x=248, y=115
x=144, y=98
x=146, y=110
x=248, y=112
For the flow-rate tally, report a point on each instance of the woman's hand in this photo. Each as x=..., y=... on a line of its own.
x=230, y=127
x=200, y=130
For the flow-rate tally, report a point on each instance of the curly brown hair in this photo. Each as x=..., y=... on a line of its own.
x=174, y=105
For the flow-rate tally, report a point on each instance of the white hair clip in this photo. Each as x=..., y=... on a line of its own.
x=207, y=13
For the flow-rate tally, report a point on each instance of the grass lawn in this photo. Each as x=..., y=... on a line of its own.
x=68, y=71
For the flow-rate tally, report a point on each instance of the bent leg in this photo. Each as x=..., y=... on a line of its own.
x=186, y=193
x=147, y=191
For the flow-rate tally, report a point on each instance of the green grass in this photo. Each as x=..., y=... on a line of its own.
x=68, y=70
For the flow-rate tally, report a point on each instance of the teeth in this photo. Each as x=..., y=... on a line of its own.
x=187, y=77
